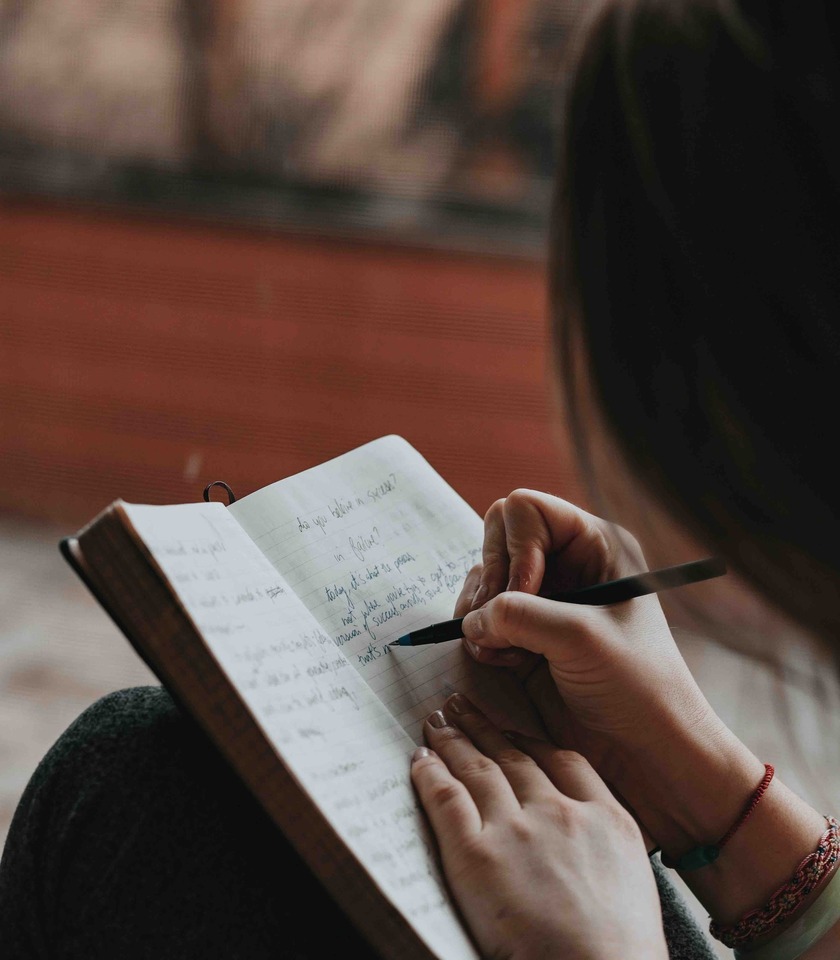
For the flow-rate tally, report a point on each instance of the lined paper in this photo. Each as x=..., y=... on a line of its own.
x=334, y=734
x=376, y=544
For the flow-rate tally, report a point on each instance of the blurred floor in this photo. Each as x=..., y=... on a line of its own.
x=59, y=652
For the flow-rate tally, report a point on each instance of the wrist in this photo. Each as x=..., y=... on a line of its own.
x=694, y=788
x=689, y=789
x=799, y=915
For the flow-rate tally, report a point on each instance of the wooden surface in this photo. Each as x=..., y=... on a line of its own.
x=141, y=359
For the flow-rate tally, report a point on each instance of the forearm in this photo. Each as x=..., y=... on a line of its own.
x=693, y=794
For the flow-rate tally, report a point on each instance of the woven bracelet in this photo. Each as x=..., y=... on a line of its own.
x=805, y=929
x=811, y=874
x=703, y=855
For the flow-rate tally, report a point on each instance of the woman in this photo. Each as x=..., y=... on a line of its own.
x=695, y=280
x=696, y=285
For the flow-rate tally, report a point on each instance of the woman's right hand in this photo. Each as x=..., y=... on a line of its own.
x=612, y=685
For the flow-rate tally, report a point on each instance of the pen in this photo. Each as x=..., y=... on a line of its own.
x=600, y=594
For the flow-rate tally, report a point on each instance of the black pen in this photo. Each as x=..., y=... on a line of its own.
x=600, y=594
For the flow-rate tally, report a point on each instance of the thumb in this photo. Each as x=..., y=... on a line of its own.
x=558, y=631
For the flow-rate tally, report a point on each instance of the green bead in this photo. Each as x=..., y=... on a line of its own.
x=698, y=857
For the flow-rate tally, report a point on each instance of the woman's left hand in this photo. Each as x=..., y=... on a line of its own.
x=541, y=858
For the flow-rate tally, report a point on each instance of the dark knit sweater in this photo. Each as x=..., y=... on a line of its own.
x=134, y=840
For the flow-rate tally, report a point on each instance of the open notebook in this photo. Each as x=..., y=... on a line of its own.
x=269, y=621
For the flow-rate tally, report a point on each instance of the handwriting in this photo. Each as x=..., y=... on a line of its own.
x=361, y=544
x=391, y=557
x=339, y=507
x=342, y=745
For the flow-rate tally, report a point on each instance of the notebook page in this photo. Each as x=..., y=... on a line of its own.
x=376, y=544
x=334, y=735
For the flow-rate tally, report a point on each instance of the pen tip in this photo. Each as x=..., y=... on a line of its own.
x=399, y=642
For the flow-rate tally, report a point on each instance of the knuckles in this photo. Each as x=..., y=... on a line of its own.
x=504, y=615
x=495, y=511
x=493, y=558
x=570, y=816
x=569, y=757
x=516, y=500
x=513, y=758
x=617, y=546
x=619, y=819
x=486, y=858
x=443, y=793
x=524, y=832
x=476, y=767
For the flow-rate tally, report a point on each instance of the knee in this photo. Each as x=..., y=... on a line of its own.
x=111, y=731
x=128, y=742
x=122, y=714
x=129, y=798
x=77, y=797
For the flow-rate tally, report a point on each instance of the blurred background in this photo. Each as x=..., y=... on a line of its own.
x=242, y=236
x=239, y=237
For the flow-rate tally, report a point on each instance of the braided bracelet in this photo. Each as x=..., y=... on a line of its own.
x=805, y=930
x=811, y=874
x=705, y=854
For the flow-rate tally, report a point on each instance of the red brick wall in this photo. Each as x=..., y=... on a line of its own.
x=141, y=358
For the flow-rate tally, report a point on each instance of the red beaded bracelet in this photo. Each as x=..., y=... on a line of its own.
x=810, y=875
x=703, y=855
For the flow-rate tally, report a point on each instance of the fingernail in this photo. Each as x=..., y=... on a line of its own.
x=512, y=735
x=474, y=648
x=480, y=596
x=437, y=720
x=509, y=656
x=459, y=704
x=514, y=583
x=421, y=752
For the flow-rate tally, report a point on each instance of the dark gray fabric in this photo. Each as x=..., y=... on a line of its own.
x=685, y=939
x=134, y=840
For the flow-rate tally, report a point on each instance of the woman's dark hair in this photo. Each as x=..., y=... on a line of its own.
x=695, y=266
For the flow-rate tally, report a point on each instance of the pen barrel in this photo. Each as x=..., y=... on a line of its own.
x=599, y=594
x=643, y=584
x=437, y=633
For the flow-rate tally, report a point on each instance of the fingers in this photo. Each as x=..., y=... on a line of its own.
x=525, y=779
x=533, y=542
x=494, y=556
x=504, y=658
x=569, y=772
x=541, y=689
x=485, y=782
x=498, y=777
x=507, y=657
x=556, y=630
x=478, y=774
x=465, y=598
x=523, y=528
x=447, y=802
x=572, y=775
x=529, y=538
